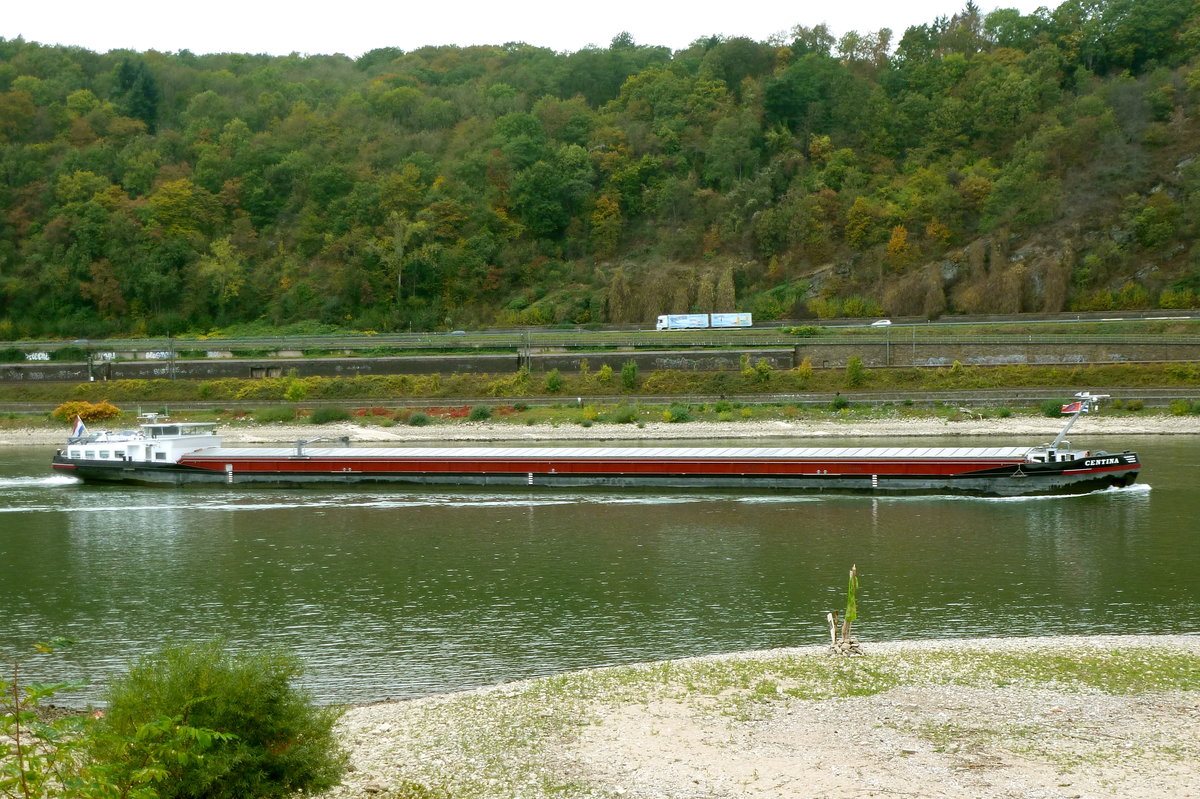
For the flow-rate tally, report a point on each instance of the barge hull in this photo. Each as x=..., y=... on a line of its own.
x=1002, y=481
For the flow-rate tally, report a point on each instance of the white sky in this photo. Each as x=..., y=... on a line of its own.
x=353, y=27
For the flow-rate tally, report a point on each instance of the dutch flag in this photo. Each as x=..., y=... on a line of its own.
x=80, y=429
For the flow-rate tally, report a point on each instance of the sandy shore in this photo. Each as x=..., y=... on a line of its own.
x=1031, y=429
x=1041, y=718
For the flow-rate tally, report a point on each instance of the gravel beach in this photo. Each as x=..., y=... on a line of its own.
x=971, y=718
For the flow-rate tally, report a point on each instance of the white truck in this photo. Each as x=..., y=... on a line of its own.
x=694, y=321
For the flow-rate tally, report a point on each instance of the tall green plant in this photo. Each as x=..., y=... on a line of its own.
x=37, y=757
x=276, y=744
x=629, y=373
x=845, y=644
x=53, y=757
x=856, y=372
x=851, y=604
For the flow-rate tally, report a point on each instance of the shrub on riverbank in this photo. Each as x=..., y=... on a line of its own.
x=189, y=721
x=278, y=413
x=281, y=743
x=1052, y=408
x=325, y=415
x=87, y=411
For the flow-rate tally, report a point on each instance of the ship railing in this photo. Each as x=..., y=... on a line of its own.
x=301, y=443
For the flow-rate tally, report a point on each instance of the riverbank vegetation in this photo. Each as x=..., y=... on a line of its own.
x=981, y=163
x=187, y=721
x=756, y=376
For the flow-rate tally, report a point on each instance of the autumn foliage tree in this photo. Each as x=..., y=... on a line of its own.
x=454, y=186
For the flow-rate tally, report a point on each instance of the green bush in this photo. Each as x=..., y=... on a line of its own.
x=512, y=385
x=1052, y=408
x=677, y=413
x=11, y=355
x=554, y=381
x=328, y=414
x=295, y=391
x=624, y=414
x=629, y=372
x=283, y=744
x=480, y=413
x=762, y=370
x=839, y=402
x=47, y=753
x=856, y=372
x=418, y=419
x=277, y=413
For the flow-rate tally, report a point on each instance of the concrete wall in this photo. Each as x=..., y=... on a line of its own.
x=257, y=368
x=691, y=360
x=902, y=353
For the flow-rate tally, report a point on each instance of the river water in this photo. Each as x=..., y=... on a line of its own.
x=391, y=593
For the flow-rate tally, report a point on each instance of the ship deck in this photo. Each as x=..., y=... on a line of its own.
x=616, y=453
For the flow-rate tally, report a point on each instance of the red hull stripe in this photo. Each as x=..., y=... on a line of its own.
x=606, y=467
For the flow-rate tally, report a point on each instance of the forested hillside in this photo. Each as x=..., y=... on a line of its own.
x=984, y=163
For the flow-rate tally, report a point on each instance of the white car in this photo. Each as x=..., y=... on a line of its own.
x=881, y=323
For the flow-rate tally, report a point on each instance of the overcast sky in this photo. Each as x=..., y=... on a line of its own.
x=353, y=27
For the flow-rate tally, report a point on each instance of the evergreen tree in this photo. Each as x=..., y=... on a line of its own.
x=138, y=91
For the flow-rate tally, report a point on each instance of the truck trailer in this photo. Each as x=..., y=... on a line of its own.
x=696, y=321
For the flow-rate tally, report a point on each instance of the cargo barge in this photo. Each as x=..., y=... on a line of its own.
x=191, y=453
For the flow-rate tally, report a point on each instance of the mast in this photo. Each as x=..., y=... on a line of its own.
x=1084, y=401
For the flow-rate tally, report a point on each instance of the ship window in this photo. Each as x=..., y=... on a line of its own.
x=74, y=453
x=91, y=453
x=160, y=456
